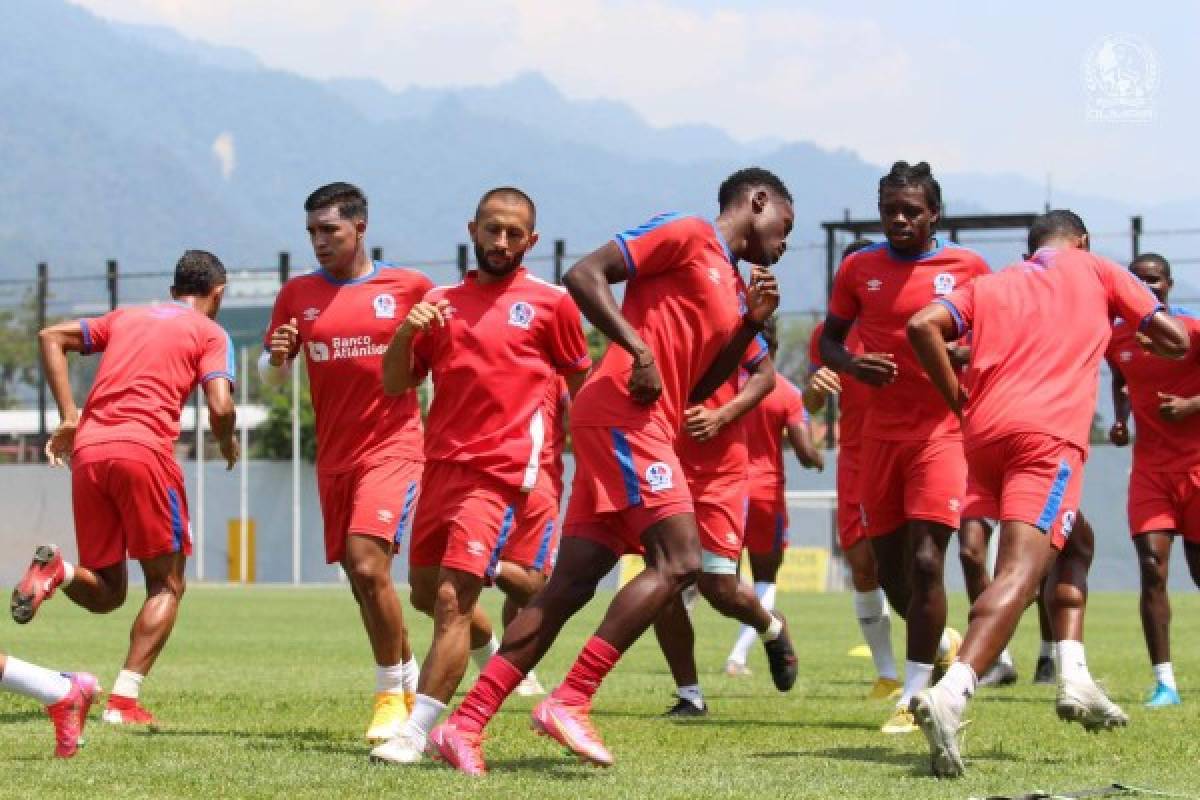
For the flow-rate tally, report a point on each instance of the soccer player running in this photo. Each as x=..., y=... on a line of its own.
x=1039, y=329
x=713, y=453
x=870, y=601
x=913, y=472
x=67, y=697
x=780, y=414
x=127, y=490
x=492, y=343
x=1164, y=486
x=369, y=448
x=680, y=312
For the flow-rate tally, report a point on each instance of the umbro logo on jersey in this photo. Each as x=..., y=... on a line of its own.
x=318, y=351
x=310, y=314
x=385, y=515
x=520, y=315
x=955, y=504
x=731, y=538
x=943, y=284
x=874, y=285
x=385, y=306
x=714, y=275
x=1126, y=355
x=658, y=476
x=476, y=548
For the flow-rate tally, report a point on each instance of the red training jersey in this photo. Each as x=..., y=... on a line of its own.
x=154, y=357
x=880, y=290
x=681, y=298
x=1161, y=445
x=345, y=327
x=852, y=403
x=1039, y=329
x=764, y=428
x=502, y=344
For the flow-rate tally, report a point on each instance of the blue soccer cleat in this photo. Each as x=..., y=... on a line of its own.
x=1163, y=695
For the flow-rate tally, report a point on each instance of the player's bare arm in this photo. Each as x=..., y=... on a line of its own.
x=55, y=342
x=873, y=369
x=222, y=418
x=807, y=452
x=1163, y=335
x=589, y=284
x=1118, y=434
x=928, y=331
x=821, y=384
x=704, y=423
x=398, y=374
x=761, y=301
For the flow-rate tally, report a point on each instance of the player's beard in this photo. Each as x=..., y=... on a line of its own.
x=513, y=262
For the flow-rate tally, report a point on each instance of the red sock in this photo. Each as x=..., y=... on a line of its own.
x=595, y=662
x=496, y=682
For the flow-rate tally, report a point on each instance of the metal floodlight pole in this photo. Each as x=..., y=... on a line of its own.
x=462, y=261
x=830, y=264
x=285, y=266
x=244, y=494
x=560, y=257
x=111, y=275
x=43, y=291
x=377, y=254
x=1135, y=231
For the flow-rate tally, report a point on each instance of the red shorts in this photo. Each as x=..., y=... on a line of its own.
x=1028, y=477
x=720, y=503
x=464, y=518
x=766, y=522
x=1165, y=501
x=534, y=540
x=128, y=501
x=370, y=500
x=850, y=529
x=625, y=481
x=905, y=480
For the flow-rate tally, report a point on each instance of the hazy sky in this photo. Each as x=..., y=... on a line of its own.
x=979, y=87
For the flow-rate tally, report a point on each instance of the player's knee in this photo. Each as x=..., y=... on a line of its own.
x=972, y=557
x=682, y=571
x=927, y=566
x=365, y=578
x=718, y=590
x=452, y=604
x=1154, y=571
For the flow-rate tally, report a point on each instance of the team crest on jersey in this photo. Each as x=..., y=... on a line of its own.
x=874, y=285
x=385, y=306
x=1126, y=355
x=318, y=351
x=714, y=275
x=311, y=314
x=658, y=475
x=1068, y=523
x=520, y=315
x=943, y=284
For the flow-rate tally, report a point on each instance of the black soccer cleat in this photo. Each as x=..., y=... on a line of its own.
x=782, y=659
x=1045, y=672
x=686, y=709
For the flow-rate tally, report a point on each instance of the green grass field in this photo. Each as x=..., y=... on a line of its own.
x=266, y=692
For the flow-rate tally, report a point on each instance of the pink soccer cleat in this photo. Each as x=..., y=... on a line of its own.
x=571, y=727
x=460, y=749
x=69, y=715
x=127, y=711
x=44, y=575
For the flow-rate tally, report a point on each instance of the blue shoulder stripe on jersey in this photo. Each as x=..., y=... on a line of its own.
x=724, y=244
x=87, y=337
x=624, y=237
x=958, y=320
x=230, y=357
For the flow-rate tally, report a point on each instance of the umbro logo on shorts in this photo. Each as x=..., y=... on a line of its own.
x=874, y=285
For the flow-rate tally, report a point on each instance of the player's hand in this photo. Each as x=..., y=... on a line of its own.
x=703, y=423
x=1174, y=408
x=817, y=461
x=1118, y=434
x=763, y=296
x=874, y=369
x=825, y=381
x=61, y=443
x=424, y=316
x=283, y=342
x=645, y=383
x=231, y=451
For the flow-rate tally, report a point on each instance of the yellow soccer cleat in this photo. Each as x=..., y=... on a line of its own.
x=901, y=721
x=885, y=689
x=391, y=712
x=944, y=659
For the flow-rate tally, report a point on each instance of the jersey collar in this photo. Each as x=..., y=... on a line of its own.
x=350, y=281
x=938, y=246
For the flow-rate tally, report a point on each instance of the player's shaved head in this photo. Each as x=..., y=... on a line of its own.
x=509, y=194
x=1153, y=259
x=903, y=175
x=1059, y=225
x=197, y=273
x=349, y=200
x=741, y=183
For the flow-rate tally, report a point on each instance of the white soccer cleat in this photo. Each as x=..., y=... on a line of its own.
x=530, y=686
x=404, y=749
x=940, y=725
x=1087, y=704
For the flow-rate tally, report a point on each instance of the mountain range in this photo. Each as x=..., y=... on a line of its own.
x=134, y=142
